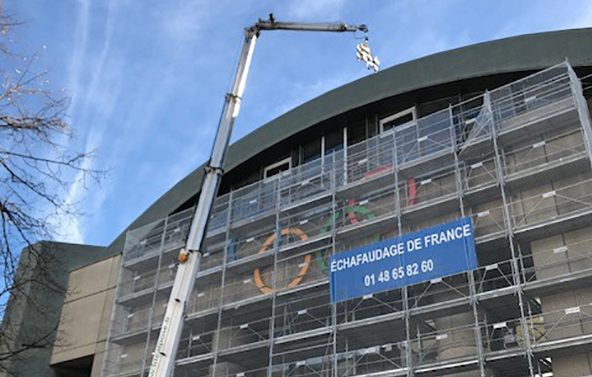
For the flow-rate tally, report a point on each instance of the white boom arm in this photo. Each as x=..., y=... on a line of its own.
x=172, y=325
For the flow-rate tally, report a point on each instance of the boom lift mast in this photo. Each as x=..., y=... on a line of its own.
x=189, y=258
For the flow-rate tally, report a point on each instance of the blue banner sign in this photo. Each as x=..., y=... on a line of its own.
x=431, y=253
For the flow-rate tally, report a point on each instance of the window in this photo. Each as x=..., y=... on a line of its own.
x=311, y=151
x=356, y=132
x=334, y=141
x=403, y=117
x=278, y=167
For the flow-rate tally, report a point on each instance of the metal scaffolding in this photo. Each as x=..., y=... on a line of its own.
x=516, y=159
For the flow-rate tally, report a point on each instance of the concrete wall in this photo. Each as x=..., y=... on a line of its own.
x=86, y=313
x=37, y=310
x=578, y=365
x=557, y=256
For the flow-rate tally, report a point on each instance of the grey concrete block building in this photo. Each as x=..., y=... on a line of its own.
x=499, y=132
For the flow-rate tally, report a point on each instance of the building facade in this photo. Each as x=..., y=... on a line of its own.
x=499, y=132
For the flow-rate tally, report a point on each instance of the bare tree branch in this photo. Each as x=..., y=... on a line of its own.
x=37, y=169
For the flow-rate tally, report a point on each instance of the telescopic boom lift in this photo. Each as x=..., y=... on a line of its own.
x=189, y=258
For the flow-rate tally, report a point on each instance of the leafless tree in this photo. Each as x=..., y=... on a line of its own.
x=37, y=168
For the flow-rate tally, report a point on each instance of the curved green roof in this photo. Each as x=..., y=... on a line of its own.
x=516, y=54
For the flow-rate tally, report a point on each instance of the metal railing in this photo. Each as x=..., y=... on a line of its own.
x=285, y=228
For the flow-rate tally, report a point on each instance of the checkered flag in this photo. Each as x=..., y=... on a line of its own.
x=364, y=54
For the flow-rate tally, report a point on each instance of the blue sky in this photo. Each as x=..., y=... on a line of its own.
x=147, y=78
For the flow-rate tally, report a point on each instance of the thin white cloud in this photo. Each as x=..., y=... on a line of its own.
x=183, y=23
x=313, y=9
x=65, y=225
x=99, y=96
x=97, y=82
x=301, y=93
x=78, y=51
x=122, y=88
x=552, y=16
x=584, y=18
